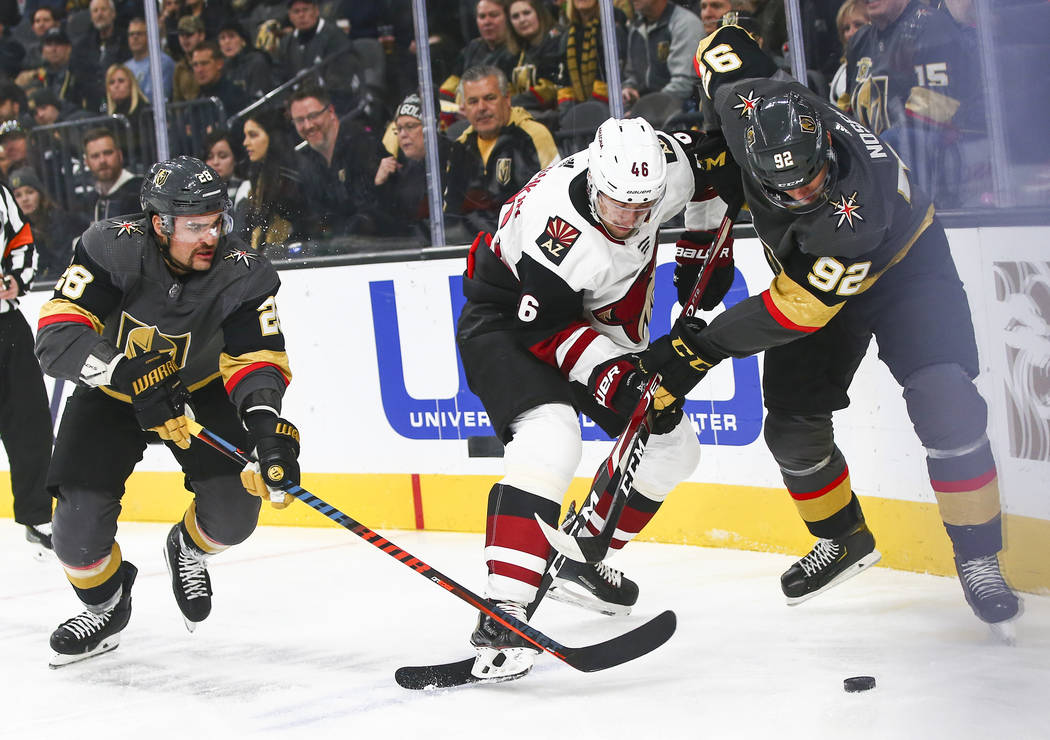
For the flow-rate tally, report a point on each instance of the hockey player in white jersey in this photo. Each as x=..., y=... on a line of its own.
x=556, y=298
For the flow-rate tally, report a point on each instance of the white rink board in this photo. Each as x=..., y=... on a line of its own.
x=418, y=418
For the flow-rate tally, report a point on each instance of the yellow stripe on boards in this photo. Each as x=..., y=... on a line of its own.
x=909, y=534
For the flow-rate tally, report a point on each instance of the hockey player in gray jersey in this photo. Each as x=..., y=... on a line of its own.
x=856, y=252
x=160, y=316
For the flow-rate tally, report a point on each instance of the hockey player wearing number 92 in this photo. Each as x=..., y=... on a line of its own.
x=557, y=301
x=161, y=317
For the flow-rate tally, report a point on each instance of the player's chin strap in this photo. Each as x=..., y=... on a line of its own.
x=627, y=646
x=616, y=474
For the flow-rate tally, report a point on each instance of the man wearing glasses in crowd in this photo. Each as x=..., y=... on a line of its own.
x=338, y=166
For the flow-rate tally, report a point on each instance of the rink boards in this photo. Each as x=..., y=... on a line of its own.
x=385, y=415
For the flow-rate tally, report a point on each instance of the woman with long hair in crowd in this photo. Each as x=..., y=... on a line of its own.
x=852, y=16
x=124, y=97
x=537, y=51
x=224, y=153
x=275, y=210
x=53, y=228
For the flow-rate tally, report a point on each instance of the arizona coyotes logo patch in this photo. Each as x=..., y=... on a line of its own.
x=633, y=311
x=846, y=208
x=557, y=239
x=124, y=228
x=135, y=338
x=241, y=255
x=748, y=103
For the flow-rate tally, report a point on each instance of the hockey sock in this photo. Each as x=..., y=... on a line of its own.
x=194, y=535
x=967, y=489
x=97, y=584
x=515, y=548
x=824, y=497
x=637, y=512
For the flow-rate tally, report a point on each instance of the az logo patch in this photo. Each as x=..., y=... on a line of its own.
x=557, y=239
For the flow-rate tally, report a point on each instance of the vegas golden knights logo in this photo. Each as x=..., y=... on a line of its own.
x=137, y=338
x=161, y=177
x=503, y=170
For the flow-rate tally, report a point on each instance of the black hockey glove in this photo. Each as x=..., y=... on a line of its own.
x=690, y=253
x=677, y=359
x=718, y=169
x=276, y=444
x=618, y=385
x=158, y=395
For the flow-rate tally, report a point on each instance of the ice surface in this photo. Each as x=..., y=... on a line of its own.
x=309, y=625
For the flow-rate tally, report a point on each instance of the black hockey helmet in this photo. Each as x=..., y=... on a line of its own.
x=786, y=147
x=184, y=186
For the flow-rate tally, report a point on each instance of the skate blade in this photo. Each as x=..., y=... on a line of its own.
x=1004, y=632
x=863, y=564
x=190, y=626
x=60, y=659
x=504, y=665
x=568, y=593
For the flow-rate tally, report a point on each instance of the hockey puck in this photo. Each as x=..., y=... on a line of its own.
x=858, y=683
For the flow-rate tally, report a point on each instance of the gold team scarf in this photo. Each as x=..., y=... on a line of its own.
x=583, y=62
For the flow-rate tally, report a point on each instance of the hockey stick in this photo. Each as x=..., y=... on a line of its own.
x=627, y=646
x=617, y=472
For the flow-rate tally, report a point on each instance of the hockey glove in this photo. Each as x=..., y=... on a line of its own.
x=690, y=253
x=677, y=359
x=158, y=395
x=618, y=385
x=718, y=168
x=276, y=443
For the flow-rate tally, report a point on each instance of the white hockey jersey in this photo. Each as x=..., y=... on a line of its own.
x=585, y=296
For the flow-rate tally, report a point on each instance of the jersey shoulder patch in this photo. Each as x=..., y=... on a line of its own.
x=557, y=239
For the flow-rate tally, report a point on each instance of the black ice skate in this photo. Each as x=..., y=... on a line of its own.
x=988, y=594
x=39, y=536
x=88, y=634
x=594, y=586
x=829, y=563
x=190, y=582
x=502, y=653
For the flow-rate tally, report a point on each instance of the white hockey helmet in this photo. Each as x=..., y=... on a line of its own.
x=626, y=165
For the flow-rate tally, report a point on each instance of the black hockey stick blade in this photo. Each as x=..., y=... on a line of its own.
x=626, y=647
x=444, y=676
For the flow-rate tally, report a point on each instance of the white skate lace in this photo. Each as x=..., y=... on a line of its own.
x=609, y=575
x=983, y=577
x=192, y=573
x=821, y=556
x=86, y=624
x=512, y=608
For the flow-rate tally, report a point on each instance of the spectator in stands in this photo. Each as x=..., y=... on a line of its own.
x=48, y=109
x=11, y=50
x=536, y=53
x=44, y=17
x=53, y=228
x=338, y=166
x=139, y=63
x=80, y=86
x=209, y=71
x=225, y=154
x=488, y=49
x=913, y=80
x=497, y=154
x=313, y=41
x=212, y=13
x=246, y=67
x=711, y=12
x=852, y=16
x=13, y=103
x=191, y=34
x=275, y=210
x=661, y=43
x=116, y=189
x=105, y=43
x=583, y=56
x=402, y=176
x=15, y=145
x=170, y=12
x=125, y=97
